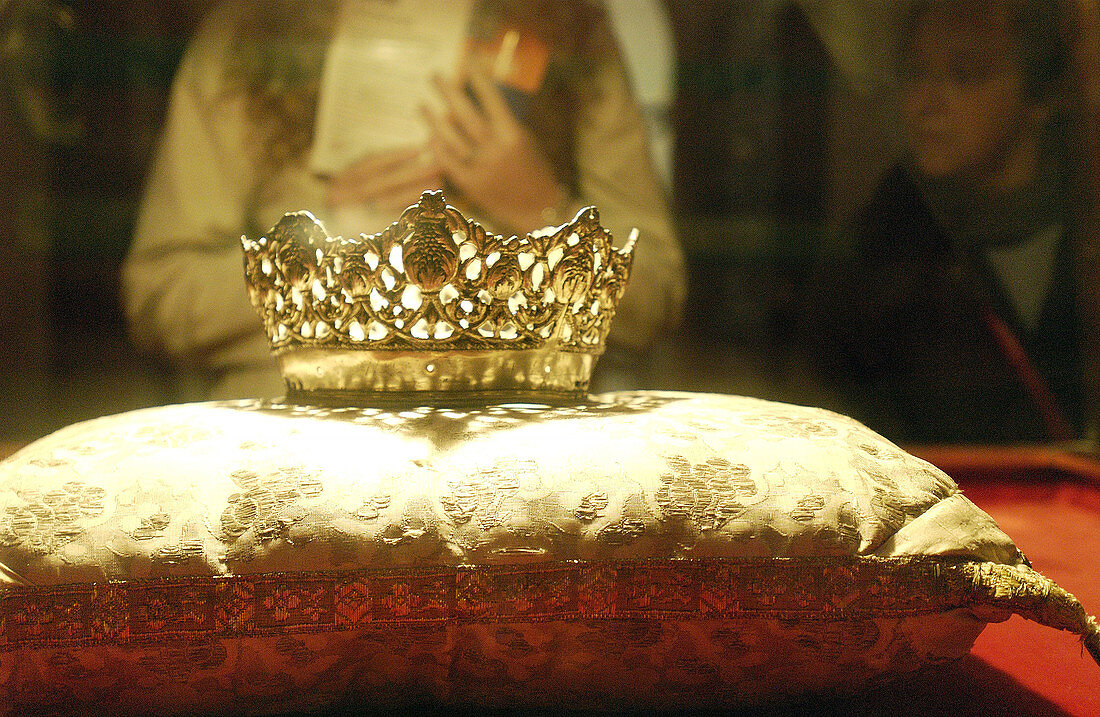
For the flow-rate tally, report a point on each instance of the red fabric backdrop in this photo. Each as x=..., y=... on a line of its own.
x=1048, y=501
x=1057, y=525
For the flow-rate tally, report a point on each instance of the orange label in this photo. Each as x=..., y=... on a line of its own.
x=513, y=58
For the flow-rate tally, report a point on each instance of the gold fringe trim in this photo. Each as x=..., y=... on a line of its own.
x=1033, y=596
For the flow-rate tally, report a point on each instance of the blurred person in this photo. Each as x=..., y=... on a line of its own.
x=35, y=120
x=644, y=32
x=962, y=316
x=234, y=156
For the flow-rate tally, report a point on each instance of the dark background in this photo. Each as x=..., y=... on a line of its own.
x=774, y=148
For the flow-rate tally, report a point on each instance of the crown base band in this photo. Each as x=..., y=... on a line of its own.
x=336, y=376
x=434, y=399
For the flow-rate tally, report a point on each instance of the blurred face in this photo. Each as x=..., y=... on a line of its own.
x=963, y=97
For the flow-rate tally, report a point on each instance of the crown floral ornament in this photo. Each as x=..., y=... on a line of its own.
x=436, y=303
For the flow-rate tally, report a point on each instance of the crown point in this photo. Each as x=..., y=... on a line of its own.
x=588, y=218
x=631, y=240
x=432, y=203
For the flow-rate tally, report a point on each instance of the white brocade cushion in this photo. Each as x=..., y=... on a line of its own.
x=639, y=549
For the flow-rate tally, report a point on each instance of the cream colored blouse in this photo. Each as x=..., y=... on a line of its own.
x=183, y=281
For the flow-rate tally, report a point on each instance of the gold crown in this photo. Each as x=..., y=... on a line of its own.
x=435, y=303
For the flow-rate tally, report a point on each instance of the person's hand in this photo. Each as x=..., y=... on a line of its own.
x=389, y=181
x=490, y=157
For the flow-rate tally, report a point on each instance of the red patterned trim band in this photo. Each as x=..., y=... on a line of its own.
x=826, y=588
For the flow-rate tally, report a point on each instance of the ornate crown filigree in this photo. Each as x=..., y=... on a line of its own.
x=435, y=283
